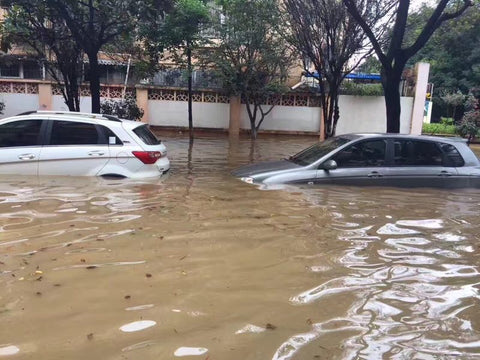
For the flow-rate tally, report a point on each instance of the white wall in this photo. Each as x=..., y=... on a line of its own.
x=58, y=103
x=287, y=118
x=357, y=113
x=368, y=114
x=18, y=103
x=175, y=113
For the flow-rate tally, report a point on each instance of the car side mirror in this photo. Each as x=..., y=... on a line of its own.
x=329, y=165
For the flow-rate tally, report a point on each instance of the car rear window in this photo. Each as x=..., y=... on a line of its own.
x=426, y=153
x=144, y=133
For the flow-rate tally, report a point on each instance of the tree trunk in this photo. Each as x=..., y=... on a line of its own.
x=94, y=72
x=252, y=115
x=189, y=65
x=69, y=101
x=73, y=92
x=391, y=87
x=332, y=112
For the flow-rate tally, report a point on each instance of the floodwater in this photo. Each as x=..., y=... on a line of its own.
x=199, y=265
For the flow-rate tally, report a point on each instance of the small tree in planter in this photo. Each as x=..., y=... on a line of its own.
x=125, y=108
x=470, y=124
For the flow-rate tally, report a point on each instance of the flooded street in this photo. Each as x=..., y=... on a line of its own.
x=201, y=265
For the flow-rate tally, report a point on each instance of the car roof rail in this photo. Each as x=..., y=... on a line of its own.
x=27, y=113
x=73, y=113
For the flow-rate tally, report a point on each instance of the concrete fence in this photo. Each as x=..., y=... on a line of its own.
x=293, y=113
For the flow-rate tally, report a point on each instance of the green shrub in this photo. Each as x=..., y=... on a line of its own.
x=447, y=120
x=438, y=129
x=351, y=88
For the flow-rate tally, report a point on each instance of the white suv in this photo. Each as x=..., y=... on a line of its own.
x=79, y=144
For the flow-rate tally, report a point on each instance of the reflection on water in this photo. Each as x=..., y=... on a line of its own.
x=201, y=265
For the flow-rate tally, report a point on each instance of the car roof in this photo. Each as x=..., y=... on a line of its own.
x=104, y=119
x=355, y=136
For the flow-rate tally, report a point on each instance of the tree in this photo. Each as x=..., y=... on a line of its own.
x=49, y=41
x=397, y=50
x=371, y=65
x=95, y=23
x=326, y=34
x=251, y=59
x=453, y=53
x=92, y=25
x=182, y=35
x=454, y=101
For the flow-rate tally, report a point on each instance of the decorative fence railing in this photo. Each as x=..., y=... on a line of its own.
x=157, y=93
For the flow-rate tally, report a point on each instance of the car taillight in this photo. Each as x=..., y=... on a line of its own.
x=147, y=157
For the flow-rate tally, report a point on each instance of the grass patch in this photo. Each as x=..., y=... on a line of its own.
x=438, y=129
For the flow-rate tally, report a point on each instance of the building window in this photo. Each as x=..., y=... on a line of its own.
x=10, y=69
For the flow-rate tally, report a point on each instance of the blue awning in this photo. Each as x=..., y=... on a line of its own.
x=356, y=76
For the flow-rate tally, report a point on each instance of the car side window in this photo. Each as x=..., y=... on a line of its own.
x=417, y=153
x=20, y=133
x=110, y=137
x=74, y=133
x=363, y=154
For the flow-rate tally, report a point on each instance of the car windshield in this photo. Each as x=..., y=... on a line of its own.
x=318, y=150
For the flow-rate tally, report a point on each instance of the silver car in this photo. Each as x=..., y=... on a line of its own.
x=374, y=159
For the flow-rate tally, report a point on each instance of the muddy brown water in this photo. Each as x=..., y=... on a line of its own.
x=201, y=265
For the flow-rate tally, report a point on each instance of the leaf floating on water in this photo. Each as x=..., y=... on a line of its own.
x=137, y=325
x=190, y=351
x=9, y=350
x=91, y=267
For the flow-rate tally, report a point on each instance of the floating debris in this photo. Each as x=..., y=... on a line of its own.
x=190, y=351
x=140, y=307
x=138, y=345
x=9, y=350
x=249, y=328
x=270, y=326
x=137, y=325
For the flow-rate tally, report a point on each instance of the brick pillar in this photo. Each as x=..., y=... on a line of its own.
x=142, y=102
x=235, y=111
x=44, y=96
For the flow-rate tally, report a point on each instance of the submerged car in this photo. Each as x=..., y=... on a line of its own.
x=374, y=159
x=79, y=144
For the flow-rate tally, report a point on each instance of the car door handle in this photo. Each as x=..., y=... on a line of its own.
x=26, y=157
x=96, y=153
x=445, y=173
x=374, y=174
